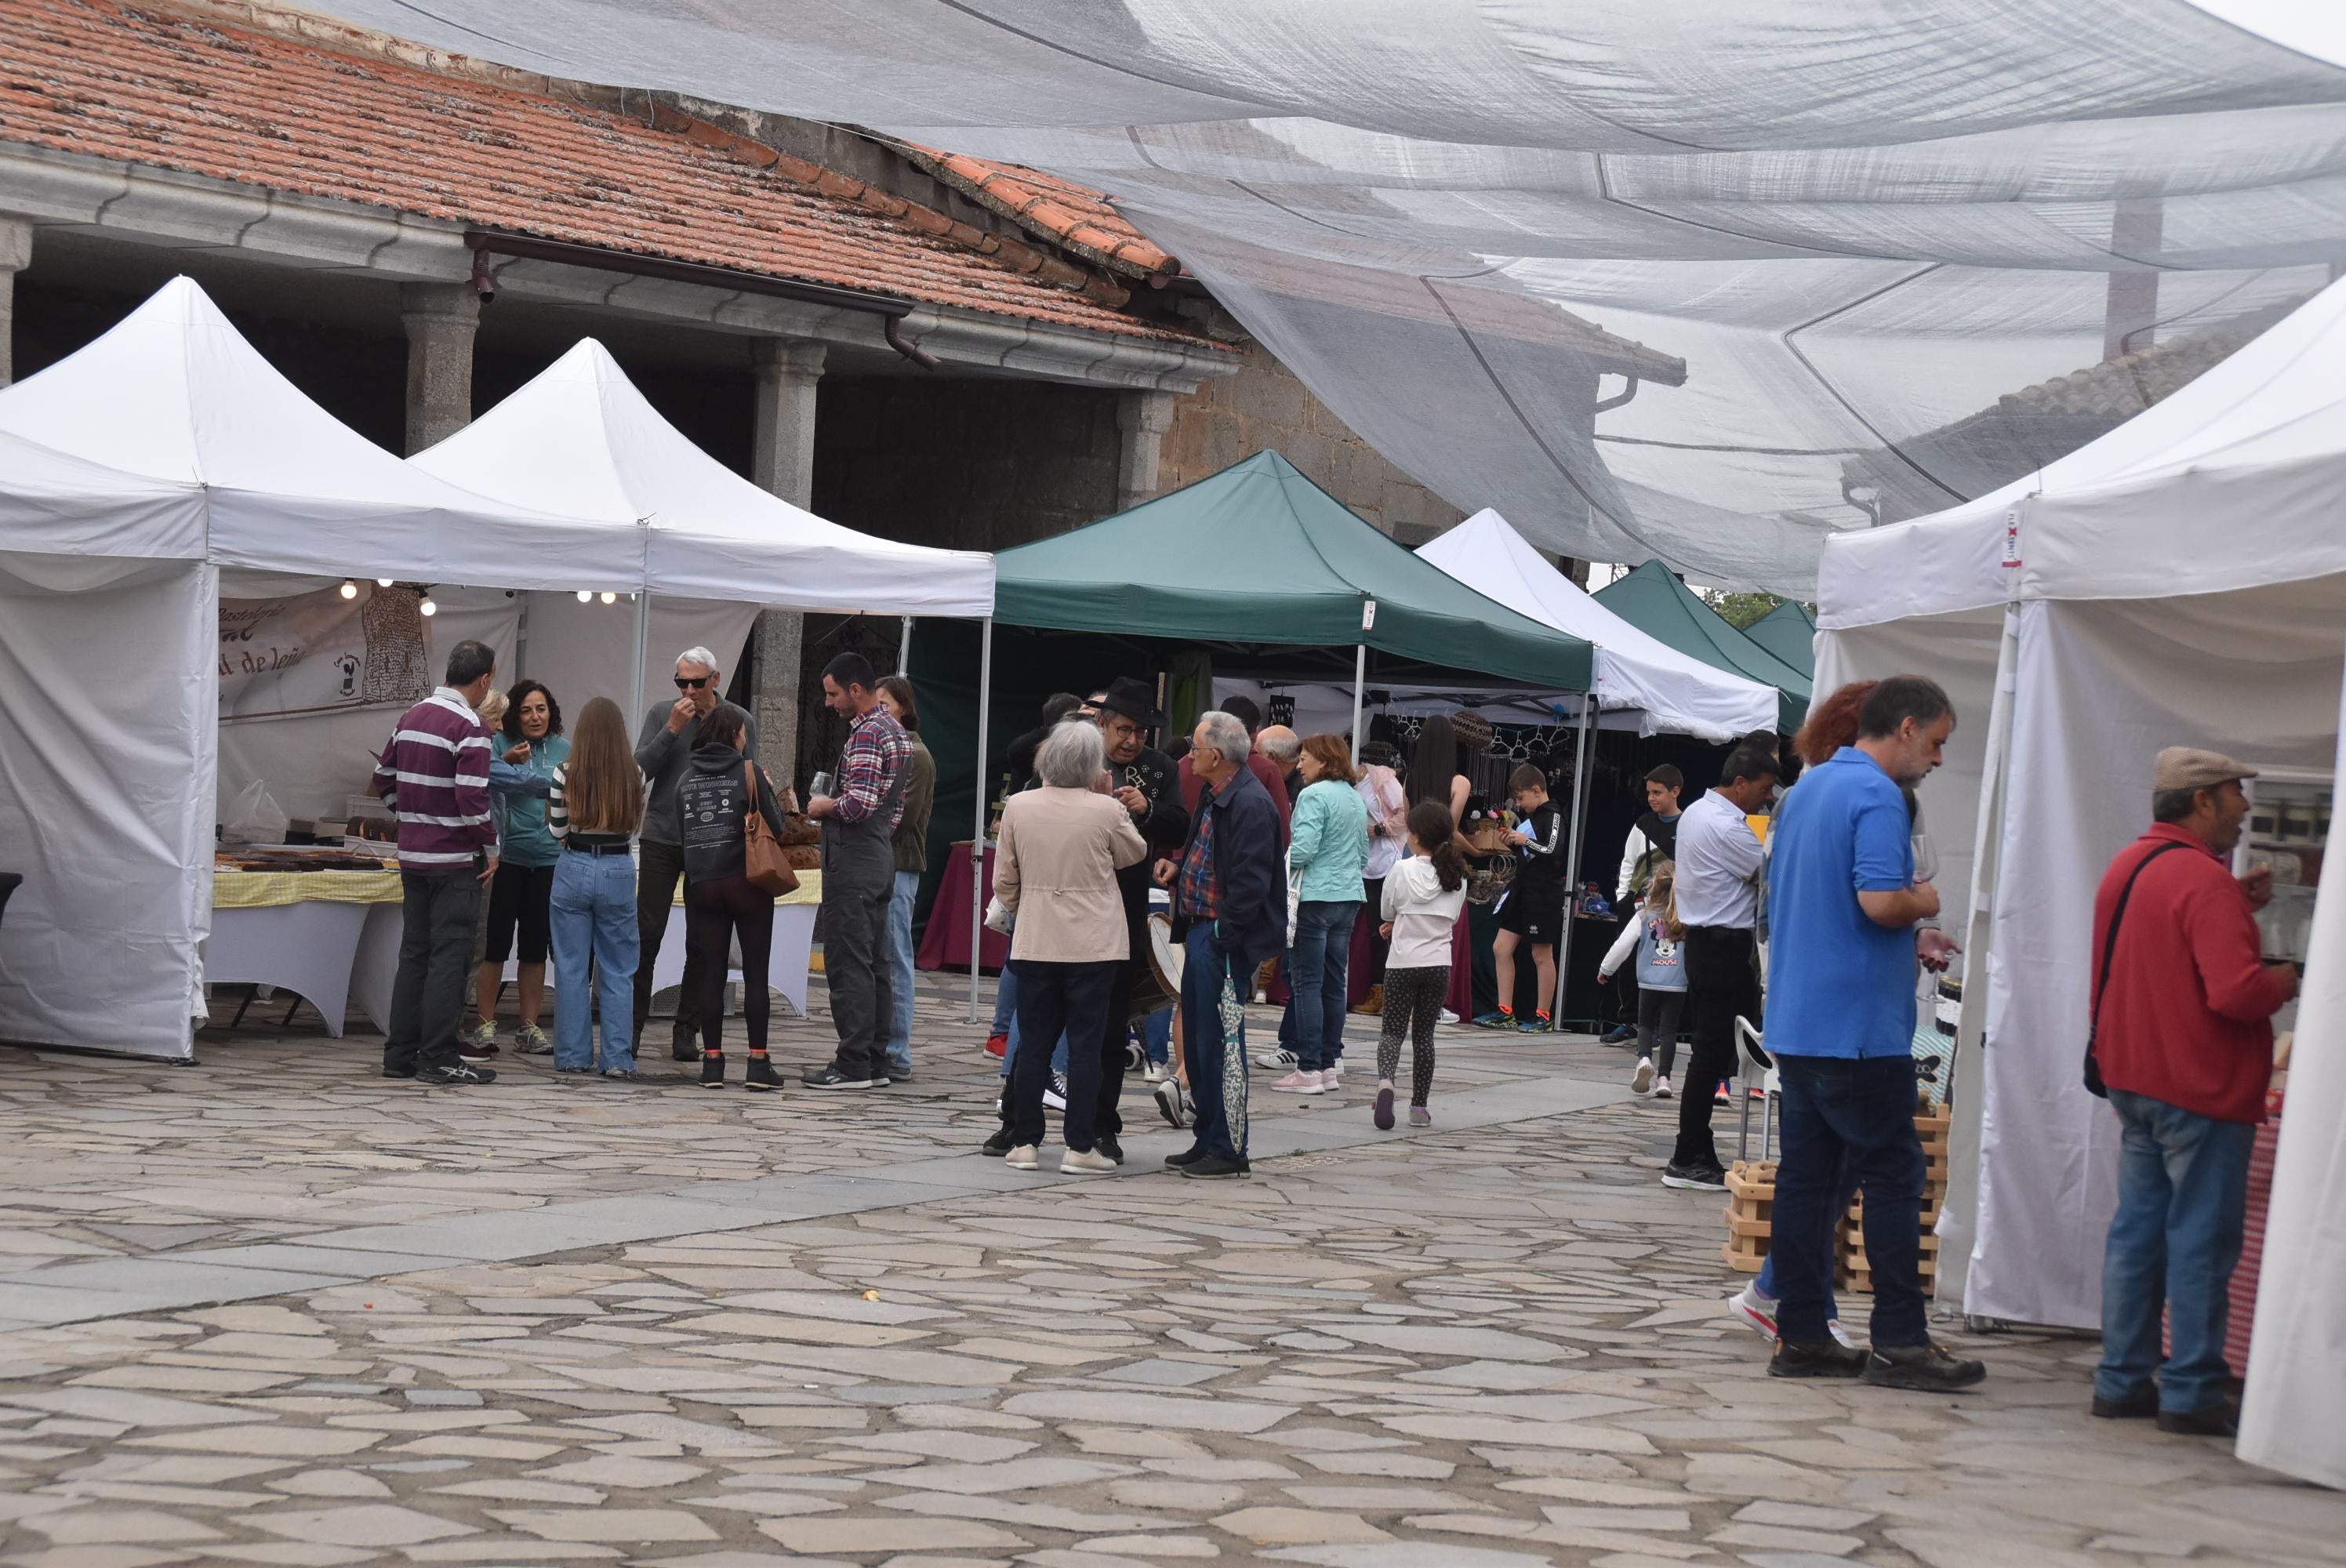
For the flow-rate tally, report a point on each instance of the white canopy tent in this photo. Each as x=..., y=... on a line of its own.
x=111, y=650
x=2182, y=581
x=1664, y=691
x=580, y=438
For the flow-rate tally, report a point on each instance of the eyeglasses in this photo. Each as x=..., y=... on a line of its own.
x=691, y=683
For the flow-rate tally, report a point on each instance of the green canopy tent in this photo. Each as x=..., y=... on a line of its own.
x=1789, y=631
x=1255, y=559
x=1654, y=601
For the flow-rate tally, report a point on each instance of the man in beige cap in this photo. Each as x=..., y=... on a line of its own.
x=2182, y=1037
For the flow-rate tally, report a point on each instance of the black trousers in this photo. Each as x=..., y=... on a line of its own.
x=439, y=910
x=722, y=908
x=1721, y=983
x=1056, y=999
x=658, y=869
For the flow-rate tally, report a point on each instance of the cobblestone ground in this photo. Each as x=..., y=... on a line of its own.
x=277, y=1310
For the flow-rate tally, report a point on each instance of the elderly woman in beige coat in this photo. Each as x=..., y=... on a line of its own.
x=1055, y=869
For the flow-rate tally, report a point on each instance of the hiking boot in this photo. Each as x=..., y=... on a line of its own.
x=1823, y=1360
x=1925, y=1368
x=712, y=1070
x=762, y=1076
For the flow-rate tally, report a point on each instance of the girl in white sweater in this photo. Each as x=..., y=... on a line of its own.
x=1423, y=895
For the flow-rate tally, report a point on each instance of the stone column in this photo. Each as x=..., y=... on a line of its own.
x=439, y=319
x=782, y=460
x=16, y=255
x=1142, y=418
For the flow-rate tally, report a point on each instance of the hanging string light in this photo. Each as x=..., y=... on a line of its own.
x=350, y=589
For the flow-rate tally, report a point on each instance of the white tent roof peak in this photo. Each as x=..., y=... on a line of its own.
x=174, y=393
x=581, y=437
x=1633, y=669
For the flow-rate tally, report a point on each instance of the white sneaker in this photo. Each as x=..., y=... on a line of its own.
x=1022, y=1158
x=1642, y=1081
x=1085, y=1162
x=1299, y=1082
x=1152, y=1072
x=1662, y=1088
x=1280, y=1060
x=1054, y=1097
x=1171, y=1103
x=1332, y=1077
x=1752, y=1309
x=1832, y=1325
x=1448, y=1017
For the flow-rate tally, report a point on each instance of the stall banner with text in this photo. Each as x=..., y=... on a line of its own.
x=321, y=653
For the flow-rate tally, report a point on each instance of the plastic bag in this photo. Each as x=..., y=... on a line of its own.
x=254, y=818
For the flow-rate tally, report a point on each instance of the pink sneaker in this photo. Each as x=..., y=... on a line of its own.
x=1300, y=1083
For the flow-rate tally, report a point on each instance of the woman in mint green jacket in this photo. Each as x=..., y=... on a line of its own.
x=1327, y=854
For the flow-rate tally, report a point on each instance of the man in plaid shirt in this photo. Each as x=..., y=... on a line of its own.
x=859, y=873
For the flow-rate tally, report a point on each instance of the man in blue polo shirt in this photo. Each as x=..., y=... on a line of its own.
x=1842, y=902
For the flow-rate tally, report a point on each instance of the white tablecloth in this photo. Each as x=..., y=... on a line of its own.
x=309, y=948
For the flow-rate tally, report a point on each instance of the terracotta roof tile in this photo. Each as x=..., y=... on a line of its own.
x=173, y=91
x=1068, y=214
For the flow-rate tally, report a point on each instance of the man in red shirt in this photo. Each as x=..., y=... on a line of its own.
x=2183, y=1033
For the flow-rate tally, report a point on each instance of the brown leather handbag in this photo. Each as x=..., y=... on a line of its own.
x=763, y=861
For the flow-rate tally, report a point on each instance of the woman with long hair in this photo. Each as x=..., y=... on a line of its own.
x=1326, y=855
x=1652, y=935
x=521, y=894
x=713, y=802
x=594, y=809
x=1831, y=724
x=1423, y=896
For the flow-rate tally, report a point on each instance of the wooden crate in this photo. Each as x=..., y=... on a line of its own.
x=1749, y=1214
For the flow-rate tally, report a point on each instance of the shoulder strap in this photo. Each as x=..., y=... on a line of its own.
x=2110, y=938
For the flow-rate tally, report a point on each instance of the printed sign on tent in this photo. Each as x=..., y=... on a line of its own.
x=317, y=653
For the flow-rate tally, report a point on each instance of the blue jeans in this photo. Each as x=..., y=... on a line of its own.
x=1848, y=1121
x=1322, y=953
x=593, y=918
x=1218, y=1072
x=1157, y=1034
x=2183, y=1198
x=1844, y=1189
x=900, y=968
x=1005, y=1002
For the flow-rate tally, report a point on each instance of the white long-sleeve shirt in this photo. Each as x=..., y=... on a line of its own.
x=1719, y=862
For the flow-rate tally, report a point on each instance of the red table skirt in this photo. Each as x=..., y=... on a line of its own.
x=946, y=943
x=2252, y=1247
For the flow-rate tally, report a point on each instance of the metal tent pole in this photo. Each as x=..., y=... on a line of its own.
x=643, y=654
x=1359, y=680
x=905, y=650
x=1572, y=857
x=977, y=839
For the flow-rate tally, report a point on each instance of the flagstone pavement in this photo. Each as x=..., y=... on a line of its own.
x=276, y=1309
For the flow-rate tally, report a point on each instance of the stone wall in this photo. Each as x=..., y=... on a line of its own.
x=1264, y=408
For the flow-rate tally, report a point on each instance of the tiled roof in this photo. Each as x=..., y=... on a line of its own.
x=2126, y=385
x=153, y=88
x=1069, y=215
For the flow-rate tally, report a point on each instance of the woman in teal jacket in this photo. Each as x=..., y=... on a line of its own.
x=1327, y=855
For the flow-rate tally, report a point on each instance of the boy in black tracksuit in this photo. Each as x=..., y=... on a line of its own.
x=1535, y=907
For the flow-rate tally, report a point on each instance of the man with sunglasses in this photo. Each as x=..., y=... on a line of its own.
x=664, y=751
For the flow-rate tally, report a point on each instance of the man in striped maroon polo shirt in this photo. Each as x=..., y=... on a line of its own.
x=434, y=776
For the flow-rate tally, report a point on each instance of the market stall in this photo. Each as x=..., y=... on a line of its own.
x=111, y=650
x=1789, y=631
x=2180, y=581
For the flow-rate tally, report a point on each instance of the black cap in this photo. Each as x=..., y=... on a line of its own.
x=1134, y=699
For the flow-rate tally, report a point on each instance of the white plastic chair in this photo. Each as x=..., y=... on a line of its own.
x=1754, y=1070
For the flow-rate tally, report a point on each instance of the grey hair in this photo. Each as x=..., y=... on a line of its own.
x=700, y=656
x=1225, y=734
x=2174, y=805
x=1071, y=757
x=1282, y=750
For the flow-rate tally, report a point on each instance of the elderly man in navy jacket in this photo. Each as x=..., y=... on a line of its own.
x=1230, y=910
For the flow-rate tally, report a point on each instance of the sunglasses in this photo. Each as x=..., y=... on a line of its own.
x=690, y=683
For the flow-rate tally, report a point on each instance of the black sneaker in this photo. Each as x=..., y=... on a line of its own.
x=712, y=1069
x=1824, y=1359
x=1217, y=1168
x=899, y=1076
x=1186, y=1157
x=1926, y=1369
x=831, y=1077
x=2137, y=1406
x=1699, y=1178
x=399, y=1072
x=1105, y=1144
x=762, y=1076
x=457, y=1076
x=999, y=1144
x=2218, y=1420
x=1618, y=1034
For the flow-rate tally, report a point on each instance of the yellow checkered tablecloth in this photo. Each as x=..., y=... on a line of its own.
x=234, y=889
